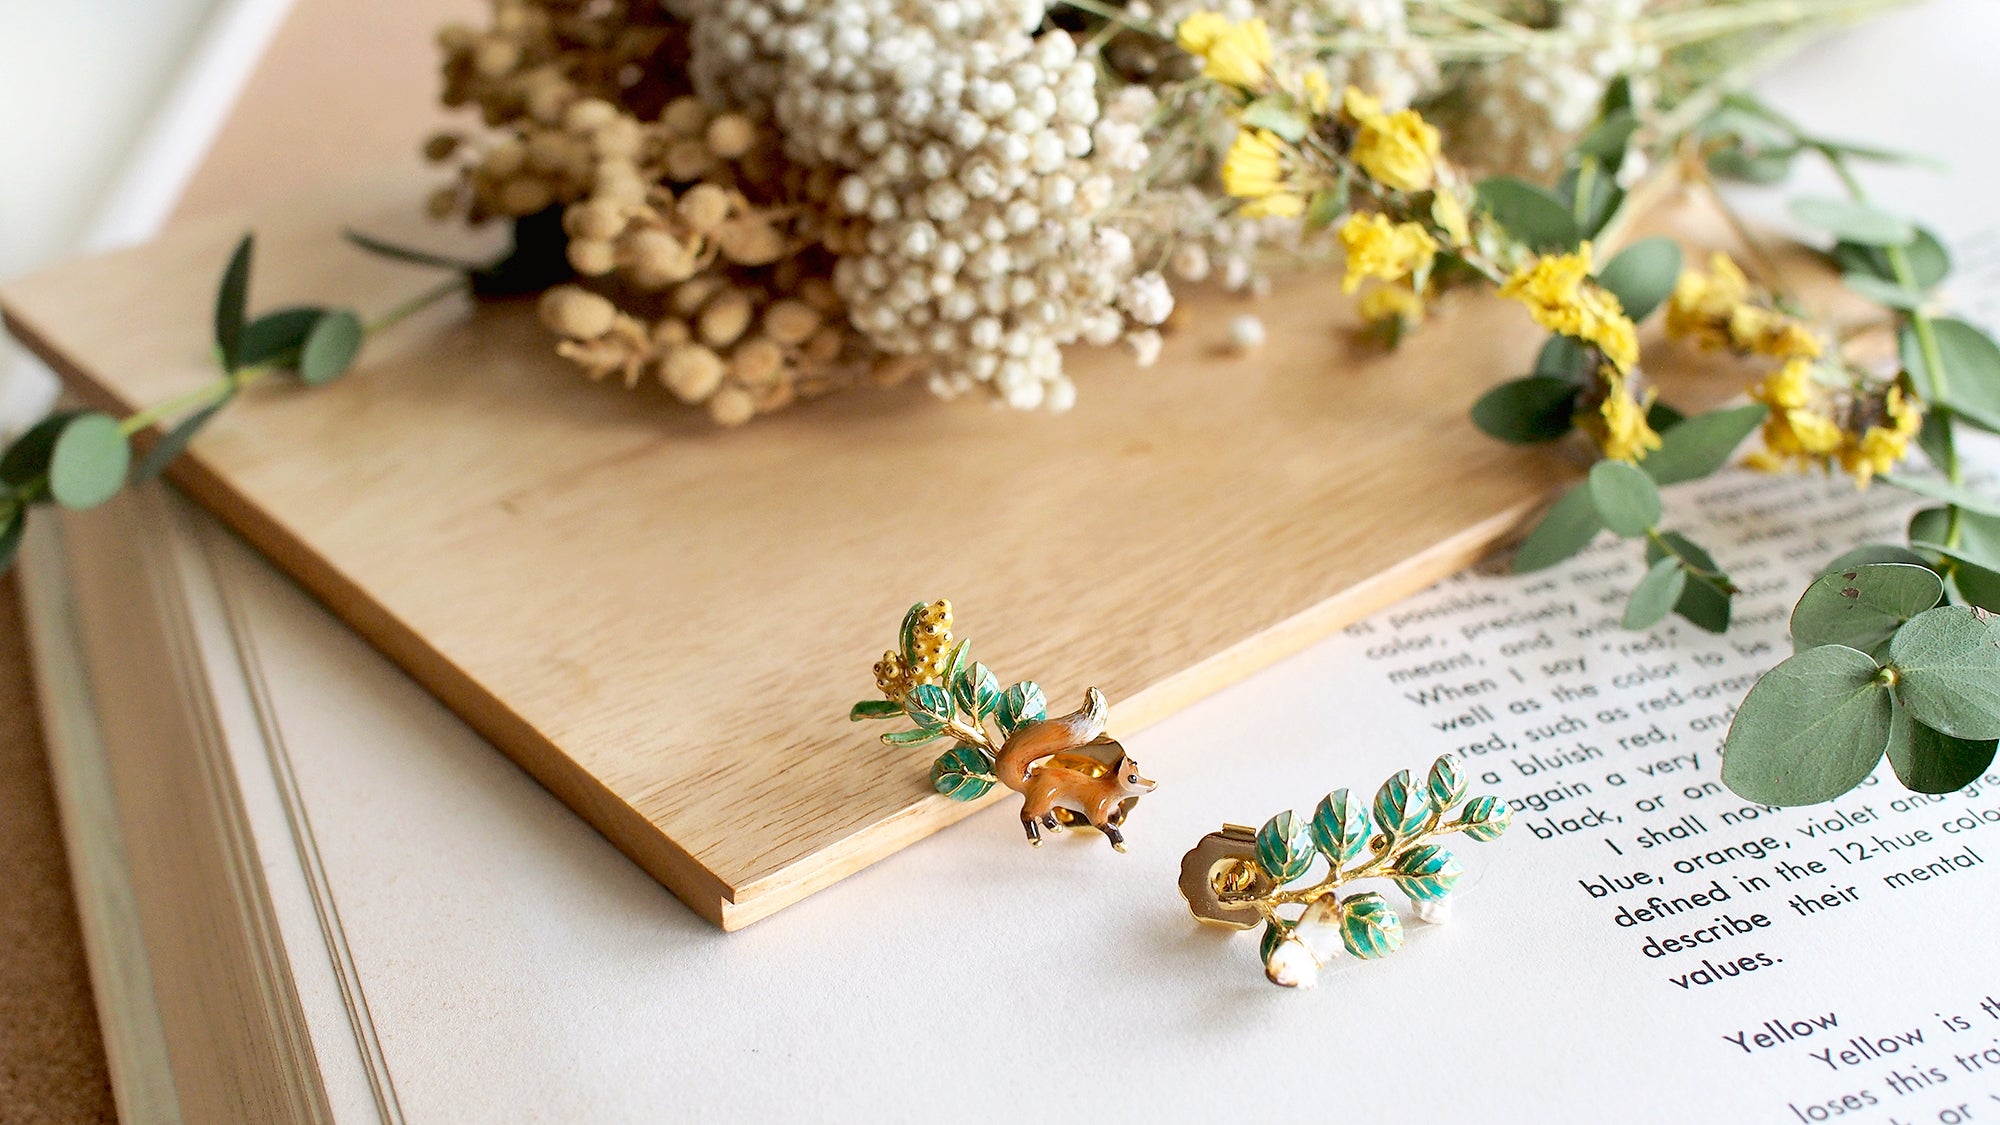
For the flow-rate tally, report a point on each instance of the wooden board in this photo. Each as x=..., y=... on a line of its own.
x=665, y=623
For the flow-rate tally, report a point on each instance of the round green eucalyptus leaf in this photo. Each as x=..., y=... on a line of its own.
x=1976, y=585
x=1971, y=362
x=28, y=457
x=89, y=462
x=1875, y=553
x=1642, y=275
x=1701, y=444
x=1811, y=729
x=1563, y=357
x=1931, y=761
x=1567, y=528
x=1929, y=261
x=1937, y=489
x=1655, y=595
x=1860, y=607
x=1853, y=222
x=1888, y=294
x=1625, y=497
x=330, y=347
x=1528, y=212
x=1525, y=411
x=1947, y=664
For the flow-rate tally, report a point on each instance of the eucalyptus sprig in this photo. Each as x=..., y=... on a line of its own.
x=78, y=459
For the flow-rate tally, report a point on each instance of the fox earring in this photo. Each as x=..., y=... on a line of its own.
x=1240, y=877
x=1067, y=771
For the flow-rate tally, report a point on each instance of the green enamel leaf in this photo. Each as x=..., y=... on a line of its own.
x=1369, y=927
x=1020, y=705
x=911, y=737
x=1485, y=818
x=962, y=773
x=874, y=709
x=1567, y=528
x=976, y=690
x=1862, y=607
x=1285, y=846
x=929, y=706
x=1538, y=408
x=954, y=662
x=88, y=464
x=330, y=347
x=1626, y=498
x=1701, y=444
x=1811, y=729
x=1948, y=672
x=1275, y=933
x=1930, y=761
x=1655, y=595
x=1446, y=784
x=1401, y=806
x=175, y=441
x=1529, y=213
x=906, y=636
x=1341, y=827
x=1642, y=275
x=1427, y=872
x=1853, y=222
x=232, y=300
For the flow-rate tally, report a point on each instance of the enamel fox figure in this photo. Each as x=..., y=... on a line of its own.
x=1060, y=783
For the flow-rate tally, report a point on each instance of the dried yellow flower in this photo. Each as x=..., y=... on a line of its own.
x=1381, y=249
x=1620, y=427
x=1235, y=54
x=1560, y=295
x=1398, y=150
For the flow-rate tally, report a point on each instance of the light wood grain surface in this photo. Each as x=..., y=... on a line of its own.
x=665, y=623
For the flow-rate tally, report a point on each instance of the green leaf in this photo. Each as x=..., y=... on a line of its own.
x=1020, y=705
x=1401, y=806
x=1529, y=213
x=28, y=458
x=1427, y=872
x=1655, y=595
x=1606, y=141
x=976, y=690
x=1874, y=553
x=1285, y=846
x=1564, y=357
x=1277, y=115
x=1948, y=672
x=963, y=773
x=1930, y=761
x=911, y=737
x=1705, y=601
x=1486, y=817
x=1886, y=293
x=1863, y=606
x=874, y=709
x=412, y=255
x=954, y=662
x=1368, y=926
x=1930, y=262
x=1853, y=222
x=1341, y=827
x=1446, y=784
x=1972, y=368
x=1626, y=498
x=1938, y=489
x=1976, y=585
x=1662, y=417
x=232, y=299
x=1601, y=198
x=1642, y=275
x=1811, y=729
x=1752, y=167
x=175, y=441
x=1275, y=933
x=1525, y=411
x=330, y=347
x=906, y=637
x=10, y=538
x=276, y=337
x=929, y=706
x=89, y=462
x=1567, y=528
x=1702, y=444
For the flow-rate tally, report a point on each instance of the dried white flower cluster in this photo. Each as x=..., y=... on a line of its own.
x=1527, y=109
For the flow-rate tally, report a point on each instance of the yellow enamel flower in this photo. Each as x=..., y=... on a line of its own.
x=1381, y=249
x=1620, y=427
x=1396, y=302
x=1562, y=298
x=1235, y=54
x=1398, y=150
x=1254, y=169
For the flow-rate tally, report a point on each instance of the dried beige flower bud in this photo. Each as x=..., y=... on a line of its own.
x=688, y=160
x=750, y=242
x=732, y=406
x=820, y=294
x=730, y=135
x=440, y=147
x=724, y=319
x=692, y=295
x=494, y=56
x=824, y=346
x=704, y=207
x=525, y=196
x=658, y=259
x=790, y=322
x=592, y=257
x=442, y=202
x=594, y=218
x=621, y=139
x=691, y=372
x=685, y=116
x=577, y=313
x=671, y=331
x=587, y=115
x=505, y=159
x=756, y=362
